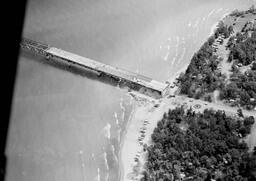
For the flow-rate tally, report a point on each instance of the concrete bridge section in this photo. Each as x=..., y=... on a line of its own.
x=123, y=78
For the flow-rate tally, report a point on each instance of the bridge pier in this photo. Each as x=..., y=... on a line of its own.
x=107, y=73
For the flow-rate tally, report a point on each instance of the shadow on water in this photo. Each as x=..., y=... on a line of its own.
x=112, y=148
x=77, y=70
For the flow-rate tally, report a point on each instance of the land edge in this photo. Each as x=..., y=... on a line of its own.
x=170, y=80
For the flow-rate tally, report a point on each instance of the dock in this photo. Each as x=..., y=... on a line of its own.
x=128, y=79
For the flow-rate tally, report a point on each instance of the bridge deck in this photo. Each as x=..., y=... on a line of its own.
x=135, y=81
x=110, y=70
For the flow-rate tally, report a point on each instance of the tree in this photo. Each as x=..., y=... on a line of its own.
x=210, y=143
x=211, y=40
x=230, y=29
x=248, y=121
x=253, y=35
x=254, y=66
x=252, y=8
x=240, y=112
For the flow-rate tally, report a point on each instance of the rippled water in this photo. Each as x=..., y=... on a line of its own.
x=68, y=127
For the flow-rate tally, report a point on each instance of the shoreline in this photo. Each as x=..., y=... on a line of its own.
x=141, y=114
x=121, y=167
x=123, y=172
x=152, y=118
x=215, y=25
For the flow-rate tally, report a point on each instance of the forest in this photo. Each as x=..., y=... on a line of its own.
x=242, y=85
x=203, y=75
x=200, y=146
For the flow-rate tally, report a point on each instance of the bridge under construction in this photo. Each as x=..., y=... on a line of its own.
x=123, y=78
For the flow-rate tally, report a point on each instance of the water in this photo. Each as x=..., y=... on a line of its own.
x=68, y=127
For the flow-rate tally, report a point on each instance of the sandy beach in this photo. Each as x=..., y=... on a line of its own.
x=147, y=112
x=144, y=120
x=138, y=132
x=142, y=124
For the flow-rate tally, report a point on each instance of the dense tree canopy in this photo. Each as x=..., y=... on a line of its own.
x=244, y=50
x=203, y=77
x=241, y=88
x=200, y=146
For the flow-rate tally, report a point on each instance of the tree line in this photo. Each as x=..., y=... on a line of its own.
x=200, y=146
x=242, y=86
x=202, y=77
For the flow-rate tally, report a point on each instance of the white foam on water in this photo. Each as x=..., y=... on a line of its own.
x=113, y=152
x=219, y=10
x=166, y=48
x=176, y=52
x=167, y=53
x=177, y=47
x=166, y=56
x=98, y=174
x=182, y=55
x=210, y=13
x=122, y=107
x=178, y=41
x=107, y=130
x=119, y=135
x=116, y=118
x=106, y=161
x=173, y=60
x=175, y=57
x=81, y=158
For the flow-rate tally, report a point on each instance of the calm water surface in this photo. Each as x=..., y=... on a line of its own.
x=68, y=127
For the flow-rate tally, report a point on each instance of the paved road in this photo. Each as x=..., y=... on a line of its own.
x=199, y=105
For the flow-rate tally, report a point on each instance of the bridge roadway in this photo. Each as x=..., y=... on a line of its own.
x=131, y=80
x=200, y=105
